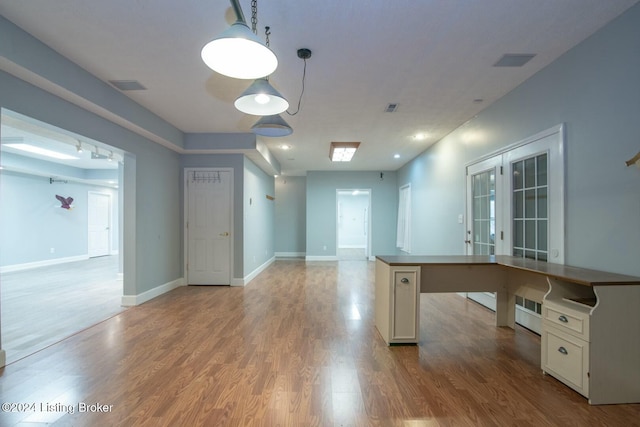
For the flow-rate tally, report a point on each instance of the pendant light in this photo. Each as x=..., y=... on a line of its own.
x=261, y=99
x=272, y=126
x=237, y=52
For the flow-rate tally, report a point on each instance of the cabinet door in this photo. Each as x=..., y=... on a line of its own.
x=566, y=358
x=405, y=304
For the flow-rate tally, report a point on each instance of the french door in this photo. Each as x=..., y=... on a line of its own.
x=515, y=206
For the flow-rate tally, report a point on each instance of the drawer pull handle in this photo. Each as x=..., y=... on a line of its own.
x=563, y=351
x=563, y=319
x=404, y=280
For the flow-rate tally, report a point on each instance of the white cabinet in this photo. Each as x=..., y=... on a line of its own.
x=565, y=344
x=398, y=303
x=591, y=340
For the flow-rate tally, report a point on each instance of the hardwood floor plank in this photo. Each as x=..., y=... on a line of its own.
x=298, y=347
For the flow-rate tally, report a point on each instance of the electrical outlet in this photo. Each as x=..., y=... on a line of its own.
x=52, y=250
x=324, y=248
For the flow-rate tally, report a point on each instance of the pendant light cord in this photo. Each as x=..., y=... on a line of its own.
x=304, y=74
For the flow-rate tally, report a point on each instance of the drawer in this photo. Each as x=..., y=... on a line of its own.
x=567, y=318
x=566, y=358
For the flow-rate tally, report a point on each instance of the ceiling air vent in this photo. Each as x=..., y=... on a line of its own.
x=514, y=59
x=391, y=108
x=125, y=85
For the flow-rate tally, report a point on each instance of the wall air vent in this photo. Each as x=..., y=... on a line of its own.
x=391, y=108
x=125, y=85
x=514, y=59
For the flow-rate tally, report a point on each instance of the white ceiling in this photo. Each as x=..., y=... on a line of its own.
x=431, y=57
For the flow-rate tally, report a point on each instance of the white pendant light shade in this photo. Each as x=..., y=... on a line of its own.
x=261, y=99
x=239, y=53
x=272, y=126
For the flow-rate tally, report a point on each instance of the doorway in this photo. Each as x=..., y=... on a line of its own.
x=515, y=206
x=52, y=286
x=353, y=224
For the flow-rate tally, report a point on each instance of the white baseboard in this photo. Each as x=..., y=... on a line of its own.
x=352, y=247
x=290, y=254
x=133, y=300
x=44, y=263
x=321, y=258
x=253, y=274
x=237, y=282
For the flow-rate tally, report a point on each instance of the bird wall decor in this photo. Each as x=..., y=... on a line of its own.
x=635, y=160
x=65, y=202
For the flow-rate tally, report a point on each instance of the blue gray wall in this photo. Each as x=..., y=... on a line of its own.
x=321, y=209
x=594, y=89
x=291, y=216
x=258, y=216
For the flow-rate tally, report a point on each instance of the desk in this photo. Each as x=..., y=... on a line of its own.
x=590, y=319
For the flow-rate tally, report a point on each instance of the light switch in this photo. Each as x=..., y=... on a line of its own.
x=460, y=219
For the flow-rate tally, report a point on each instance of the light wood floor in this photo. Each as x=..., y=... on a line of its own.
x=297, y=347
x=43, y=305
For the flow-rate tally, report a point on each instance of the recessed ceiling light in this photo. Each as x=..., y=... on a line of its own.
x=41, y=151
x=285, y=147
x=420, y=136
x=396, y=156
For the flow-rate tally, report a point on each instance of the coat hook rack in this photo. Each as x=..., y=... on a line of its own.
x=51, y=181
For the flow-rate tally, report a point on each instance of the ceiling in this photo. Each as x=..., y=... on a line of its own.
x=434, y=58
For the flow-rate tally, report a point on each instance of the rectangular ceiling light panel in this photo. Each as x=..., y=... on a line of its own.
x=342, y=151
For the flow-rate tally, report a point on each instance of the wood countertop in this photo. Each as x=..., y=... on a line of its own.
x=582, y=276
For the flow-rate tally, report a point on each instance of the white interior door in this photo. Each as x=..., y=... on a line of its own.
x=209, y=227
x=99, y=211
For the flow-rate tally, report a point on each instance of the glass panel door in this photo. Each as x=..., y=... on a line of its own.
x=483, y=186
x=483, y=231
x=530, y=207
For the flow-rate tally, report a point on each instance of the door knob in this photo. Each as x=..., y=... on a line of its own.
x=225, y=234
